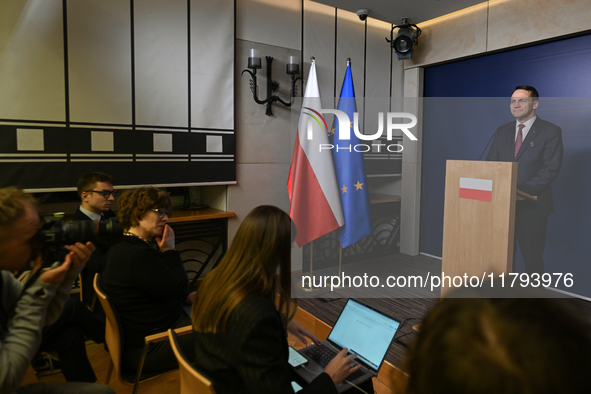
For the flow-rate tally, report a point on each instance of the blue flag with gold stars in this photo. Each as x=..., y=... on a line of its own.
x=350, y=172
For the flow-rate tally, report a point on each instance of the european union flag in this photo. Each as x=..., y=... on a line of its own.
x=350, y=172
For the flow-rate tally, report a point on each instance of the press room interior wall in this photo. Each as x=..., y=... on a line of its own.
x=107, y=90
x=143, y=87
x=559, y=71
x=293, y=27
x=496, y=25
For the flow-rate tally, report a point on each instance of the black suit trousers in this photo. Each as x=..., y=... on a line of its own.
x=66, y=336
x=530, y=234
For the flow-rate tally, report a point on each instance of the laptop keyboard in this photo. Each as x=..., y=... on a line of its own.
x=320, y=353
x=323, y=354
x=357, y=374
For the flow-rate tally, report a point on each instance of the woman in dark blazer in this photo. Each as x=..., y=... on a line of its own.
x=147, y=287
x=241, y=339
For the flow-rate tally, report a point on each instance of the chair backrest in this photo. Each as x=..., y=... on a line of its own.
x=89, y=303
x=80, y=284
x=192, y=382
x=112, y=331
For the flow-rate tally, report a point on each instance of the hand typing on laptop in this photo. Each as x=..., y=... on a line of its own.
x=364, y=332
x=341, y=366
x=301, y=333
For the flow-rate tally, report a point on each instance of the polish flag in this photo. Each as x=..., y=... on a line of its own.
x=312, y=185
x=476, y=189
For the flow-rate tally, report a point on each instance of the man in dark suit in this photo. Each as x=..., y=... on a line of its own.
x=536, y=145
x=96, y=194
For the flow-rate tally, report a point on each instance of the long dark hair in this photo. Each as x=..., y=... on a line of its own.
x=262, y=243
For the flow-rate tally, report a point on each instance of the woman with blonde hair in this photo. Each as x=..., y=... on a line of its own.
x=241, y=339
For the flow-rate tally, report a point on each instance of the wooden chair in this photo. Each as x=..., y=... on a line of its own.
x=192, y=382
x=90, y=305
x=114, y=341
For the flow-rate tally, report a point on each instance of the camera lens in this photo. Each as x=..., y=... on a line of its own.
x=91, y=231
x=58, y=233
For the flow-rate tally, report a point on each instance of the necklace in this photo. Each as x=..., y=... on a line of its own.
x=126, y=232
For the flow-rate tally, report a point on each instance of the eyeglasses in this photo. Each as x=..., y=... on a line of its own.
x=104, y=193
x=161, y=212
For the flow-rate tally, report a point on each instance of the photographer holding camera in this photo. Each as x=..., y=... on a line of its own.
x=26, y=309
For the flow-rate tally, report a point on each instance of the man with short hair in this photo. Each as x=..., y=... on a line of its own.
x=536, y=145
x=97, y=195
x=26, y=308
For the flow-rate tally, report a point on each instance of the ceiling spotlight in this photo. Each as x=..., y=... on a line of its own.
x=408, y=35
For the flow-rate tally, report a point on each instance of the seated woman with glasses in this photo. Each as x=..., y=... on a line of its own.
x=147, y=287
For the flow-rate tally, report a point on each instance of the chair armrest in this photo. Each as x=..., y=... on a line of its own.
x=163, y=336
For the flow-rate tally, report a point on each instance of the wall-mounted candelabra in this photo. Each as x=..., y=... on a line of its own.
x=292, y=68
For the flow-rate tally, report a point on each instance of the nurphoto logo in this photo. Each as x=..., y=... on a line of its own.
x=345, y=125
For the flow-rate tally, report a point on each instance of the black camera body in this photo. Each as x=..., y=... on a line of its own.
x=55, y=234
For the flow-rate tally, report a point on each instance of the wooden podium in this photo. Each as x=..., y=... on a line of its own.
x=479, y=219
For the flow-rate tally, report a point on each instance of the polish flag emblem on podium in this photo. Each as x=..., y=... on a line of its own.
x=476, y=189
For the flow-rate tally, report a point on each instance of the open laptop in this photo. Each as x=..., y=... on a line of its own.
x=364, y=331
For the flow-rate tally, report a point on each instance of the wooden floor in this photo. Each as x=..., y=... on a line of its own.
x=167, y=383
x=99, y=358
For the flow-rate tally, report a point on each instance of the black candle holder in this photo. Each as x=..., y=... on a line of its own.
x=272, y=86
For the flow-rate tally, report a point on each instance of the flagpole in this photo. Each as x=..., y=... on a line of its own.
x=311, y=264
x=320, y=182
x=340, y=257
x=350, y=171
x=340, y=244
x=342, y=285
x=301, y=282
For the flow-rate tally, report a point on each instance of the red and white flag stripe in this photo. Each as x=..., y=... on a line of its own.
x=476, y=189
x=312, y=185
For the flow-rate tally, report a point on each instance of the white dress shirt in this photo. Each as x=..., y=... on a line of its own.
x=92, y=215
x=525, y=130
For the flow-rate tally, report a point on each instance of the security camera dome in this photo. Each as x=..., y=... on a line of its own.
x=363, y=13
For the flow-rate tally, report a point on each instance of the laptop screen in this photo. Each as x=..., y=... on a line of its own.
x=365, y=332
